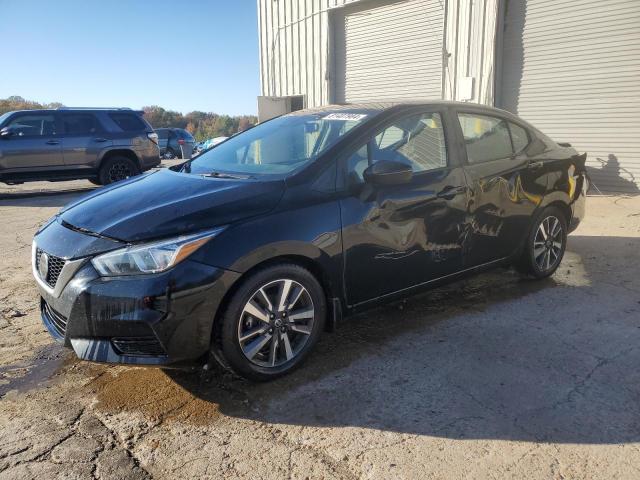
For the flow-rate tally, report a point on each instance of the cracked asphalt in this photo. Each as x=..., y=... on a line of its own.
x=492, y=377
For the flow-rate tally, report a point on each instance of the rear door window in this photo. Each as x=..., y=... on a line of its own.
x=128, y=122
x=163, y=134
x=486, y=138
x=80, y=124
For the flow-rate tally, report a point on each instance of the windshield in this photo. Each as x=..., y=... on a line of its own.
x=278, y=146
x=3, y=117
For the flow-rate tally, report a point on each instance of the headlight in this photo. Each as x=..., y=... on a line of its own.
x=150, y=257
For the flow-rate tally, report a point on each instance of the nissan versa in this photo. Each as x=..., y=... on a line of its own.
x=248, y=252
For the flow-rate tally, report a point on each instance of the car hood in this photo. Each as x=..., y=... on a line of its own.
x=166, y=203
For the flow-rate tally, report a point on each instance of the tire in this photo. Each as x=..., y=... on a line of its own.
x=117, y=168
x=541, y=255
x=275, y=343
x=169, y=154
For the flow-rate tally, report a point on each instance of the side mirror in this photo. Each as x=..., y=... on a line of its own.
x=6, y=132
x=388, y=172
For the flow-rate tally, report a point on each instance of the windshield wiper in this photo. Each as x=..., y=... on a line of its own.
x=225, y=175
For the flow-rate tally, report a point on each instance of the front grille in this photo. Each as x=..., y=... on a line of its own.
x=55, y=319
x=138, y=346
x=56, y=265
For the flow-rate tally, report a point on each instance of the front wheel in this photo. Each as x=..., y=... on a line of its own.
x=272, y=322
x=545, y=245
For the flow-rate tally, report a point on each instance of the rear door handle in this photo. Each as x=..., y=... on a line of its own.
x=450, y=192
x=53, y=142
x=100, y=140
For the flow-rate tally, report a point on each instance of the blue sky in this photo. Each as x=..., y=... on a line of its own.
x=181, y=55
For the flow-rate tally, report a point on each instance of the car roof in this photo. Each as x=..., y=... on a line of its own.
x=78, y=109
x=374, y=109
x=399, y=105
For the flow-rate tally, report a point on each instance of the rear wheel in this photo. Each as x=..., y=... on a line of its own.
x=117, y=168
x=169, y=154
x=272, y=322
x=545, y=245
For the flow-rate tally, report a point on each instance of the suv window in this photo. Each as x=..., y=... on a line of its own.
x=129, y=122
x=80, y=124
x=163, y=133
x=486, y=138
x=417, y=140
x=33, y=125
x=184, y=134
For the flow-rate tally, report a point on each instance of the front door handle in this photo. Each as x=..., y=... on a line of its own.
x=450, y=192
x=53, y=142
x=534, y=165
x=99, y=140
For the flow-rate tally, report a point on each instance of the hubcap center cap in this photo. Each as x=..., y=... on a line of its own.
x=278, y=323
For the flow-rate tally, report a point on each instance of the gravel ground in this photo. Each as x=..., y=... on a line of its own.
x=492, y=377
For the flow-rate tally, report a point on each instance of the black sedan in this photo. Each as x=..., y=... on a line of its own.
x=249, y=252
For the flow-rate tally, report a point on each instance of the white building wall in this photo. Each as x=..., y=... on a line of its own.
x=572, y=68
x=470, y=50
x=296, y=42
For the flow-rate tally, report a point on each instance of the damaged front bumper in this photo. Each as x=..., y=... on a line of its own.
x=158, y=319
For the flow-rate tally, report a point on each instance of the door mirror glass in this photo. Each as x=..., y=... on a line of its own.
x=388, y=172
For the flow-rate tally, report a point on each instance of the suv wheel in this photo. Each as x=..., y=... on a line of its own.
x=117, y=168
x=272, y=322
x=545, y=244
x=169, y=154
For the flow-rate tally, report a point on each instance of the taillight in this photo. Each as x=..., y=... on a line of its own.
x=153, y=137
x=180, y=141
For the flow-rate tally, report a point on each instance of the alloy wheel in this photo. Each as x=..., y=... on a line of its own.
x=547, y=244
x=276, y=323
x=119, y=171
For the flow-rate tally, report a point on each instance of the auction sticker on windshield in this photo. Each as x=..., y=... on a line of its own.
x=345, y=116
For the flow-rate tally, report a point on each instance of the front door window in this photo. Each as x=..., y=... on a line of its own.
x=33, y=125
x=417, y=140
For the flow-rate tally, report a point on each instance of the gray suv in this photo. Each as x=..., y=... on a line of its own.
x=102, y=145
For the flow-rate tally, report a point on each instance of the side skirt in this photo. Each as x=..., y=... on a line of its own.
x=428, y=285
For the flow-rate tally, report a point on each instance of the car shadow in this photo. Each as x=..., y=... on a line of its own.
x=613, y=177
x=41, y=199
x=494, y=356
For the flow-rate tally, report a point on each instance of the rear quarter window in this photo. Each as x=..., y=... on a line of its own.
x=519, y=137
x=185, y=135
x=128, y=122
